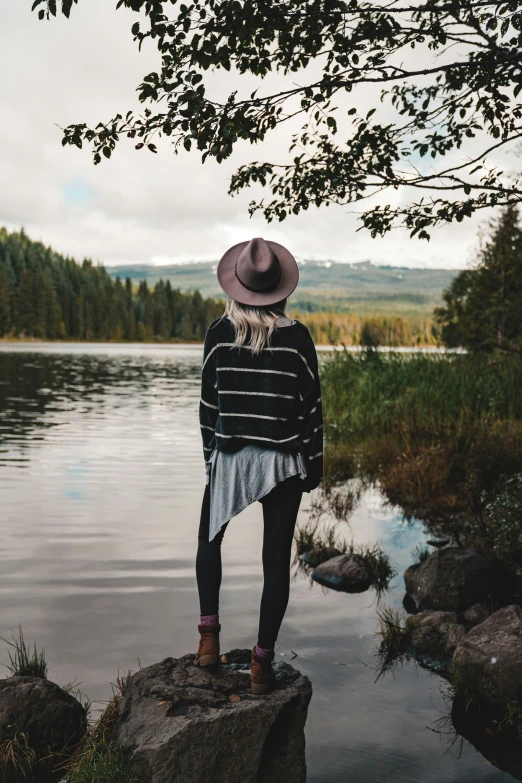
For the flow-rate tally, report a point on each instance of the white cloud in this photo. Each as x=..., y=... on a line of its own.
x=142, y=207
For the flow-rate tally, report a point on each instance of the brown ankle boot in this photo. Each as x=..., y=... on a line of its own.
x=208, y=652
x=262, y=674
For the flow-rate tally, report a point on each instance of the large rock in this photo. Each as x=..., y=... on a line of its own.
x=491, y=656
x=475, y=615
x=430, y=617
x=45, y=713
x=437, y=642
x=347, y=572
x=454, y=579
x=180, y=723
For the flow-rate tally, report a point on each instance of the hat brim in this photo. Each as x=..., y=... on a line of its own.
x=231, y=285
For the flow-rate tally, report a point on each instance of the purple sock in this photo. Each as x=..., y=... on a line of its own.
x=209, y=619
x=261, y=652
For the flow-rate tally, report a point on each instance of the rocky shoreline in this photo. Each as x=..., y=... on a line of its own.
x=465, y=622
x=170, y=722
x=167, y=721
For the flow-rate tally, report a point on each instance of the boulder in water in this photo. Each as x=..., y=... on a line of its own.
x=454, y=579
x=490, y=655
x=180, y=723
x=348, y=572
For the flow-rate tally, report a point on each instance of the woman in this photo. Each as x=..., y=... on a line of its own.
x=261, y=424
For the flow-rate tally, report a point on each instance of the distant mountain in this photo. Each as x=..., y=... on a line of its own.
x=360, y=287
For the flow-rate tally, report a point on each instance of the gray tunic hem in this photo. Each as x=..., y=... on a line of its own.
x=240, y=478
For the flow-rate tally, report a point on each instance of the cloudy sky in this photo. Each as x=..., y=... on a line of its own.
x=141, y=207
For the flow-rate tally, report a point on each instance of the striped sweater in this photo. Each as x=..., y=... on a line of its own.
x=272, y=398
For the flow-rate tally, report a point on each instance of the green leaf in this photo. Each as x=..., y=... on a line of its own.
x=66, y=7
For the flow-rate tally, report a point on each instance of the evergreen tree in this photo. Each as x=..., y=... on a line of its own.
x=43, y=294
x=5, y=301
x=25, y=299
x=482, y=307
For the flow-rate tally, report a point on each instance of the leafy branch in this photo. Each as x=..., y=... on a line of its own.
x=450, y=70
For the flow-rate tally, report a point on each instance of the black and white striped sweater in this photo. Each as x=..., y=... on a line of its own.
x=272, y=398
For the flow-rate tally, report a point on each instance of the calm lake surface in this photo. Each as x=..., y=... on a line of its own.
x=101, y=477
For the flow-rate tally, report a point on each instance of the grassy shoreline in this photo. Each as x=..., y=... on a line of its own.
x=440, y=435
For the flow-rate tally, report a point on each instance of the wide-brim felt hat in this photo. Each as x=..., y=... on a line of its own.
x=258, y=272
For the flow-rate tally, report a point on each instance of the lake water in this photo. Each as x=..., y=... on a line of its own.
x=101, y=477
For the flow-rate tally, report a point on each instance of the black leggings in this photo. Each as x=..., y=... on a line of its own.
x=280, y=509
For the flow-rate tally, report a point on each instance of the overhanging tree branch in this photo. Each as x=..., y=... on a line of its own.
x=470, y=93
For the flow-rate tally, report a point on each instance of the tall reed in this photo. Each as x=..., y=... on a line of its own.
x=420, y=397
x=438, y=433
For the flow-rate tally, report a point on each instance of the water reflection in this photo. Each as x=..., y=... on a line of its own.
x=101, y=476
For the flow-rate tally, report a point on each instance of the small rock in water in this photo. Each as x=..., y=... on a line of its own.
x=347, y=572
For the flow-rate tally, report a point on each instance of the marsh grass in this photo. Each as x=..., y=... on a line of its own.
x=437, y=433
x=74, y=689
x=392, y=628
x=106, y=764
x=17, y=758
x=379, y=564
x=22, y=660
x=391, y=632
x=97, y=759
x=420, y=553
x=418, y=397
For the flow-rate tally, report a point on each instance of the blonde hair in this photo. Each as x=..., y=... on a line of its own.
x=259, y=321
